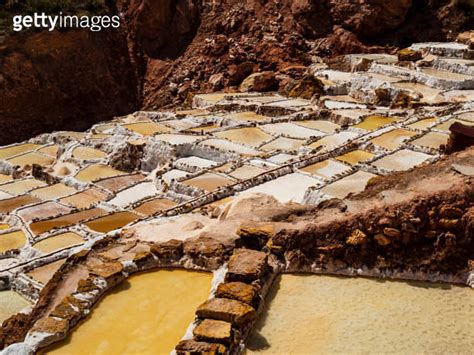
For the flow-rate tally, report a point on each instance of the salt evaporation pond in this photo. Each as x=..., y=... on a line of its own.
x=328, y=315
x=11, y=303
x=147, y=314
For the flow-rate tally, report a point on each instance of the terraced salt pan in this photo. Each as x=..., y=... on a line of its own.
x=331, y=315
x=20, y=187
x=44, y=273
x=354, y=183
x=112, y=221
x=251, y=136
x=11, y=241
x=134, y=194
x=179, y=125
x=43, y=210
x=334, y=140
x=446, y=75
x=177, y=139
x=8, y=205
x=287, y=188
x=5, y=178
x=319, y=125
x=30, y=159
x=197, y=162
x=155, y=206
x=11, y=303
x=292, y=130
x=53, y=192
x=96, y=172
x=147, y=128
x=118, y=183
x=432, y=140
x=429, y=95
x=208, y=182
x=58, y=242
x=393, y=139
x=423, y=124
x=226, y=145
x=51, y=150
x=291, y=103
x=84, y=199
x=355, y=157
x=67, y=220
x=401, y=160
x=147, y=314
x=337, y=105
x=283, y=144
x=326, y=169
x=372, y=123
x=247, y=116
x=281, y=158
x=247, y=172
x=204, y=129
x=86, y=153
x=173, y=174
x=13, y=150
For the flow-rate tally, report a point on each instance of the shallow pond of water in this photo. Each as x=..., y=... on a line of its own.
x=310, y=314
x=11, y=241
x=53, y=191
x=58, y=242
x=84, y=199
x=21, y=187
x=147, y=128
x=30, y=159
x=112, y=221
x=355, y=157
x=208, y=181
x=154, y=206
x=147, y=314
x=8, y=152
x=11, y=303
x=86, y=153
x=249, y=136
x=96, y=172
x=393, y=139
x=373, y=123
x=63, y=221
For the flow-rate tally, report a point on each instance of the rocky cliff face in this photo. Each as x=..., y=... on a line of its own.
x=168, y=50
x=69, y=80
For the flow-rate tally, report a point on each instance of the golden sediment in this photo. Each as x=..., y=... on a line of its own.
x=355, y=157
x=12, y=240
x=146, y=314
x=112, y=221
x=208, y=182
x=59, y=241
x=63, y=221
x=96, y=172
x=154, y=206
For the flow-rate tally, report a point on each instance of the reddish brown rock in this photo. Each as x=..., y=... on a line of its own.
x=236, y=290
x=213, y=331
x=86, y=285
x=246, y=265
x=357, y=237
x=260, y=82
x=172, y=249
x=204, y=246
x=409, y=55
x=107, y=269
x=186, y=347
x=227, y=310
x=255, y=235
x=51, y=325
x=461, y=137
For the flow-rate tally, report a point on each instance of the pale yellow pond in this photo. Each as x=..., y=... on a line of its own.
x=59, y=241
x=10, y=304
x=372, y=123
x=331, y=315
x=147, y=314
